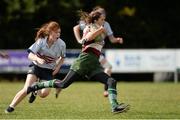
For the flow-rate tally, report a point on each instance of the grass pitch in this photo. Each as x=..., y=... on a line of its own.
x=84, y=100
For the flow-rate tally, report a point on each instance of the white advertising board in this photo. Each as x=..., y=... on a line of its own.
x=145, y=60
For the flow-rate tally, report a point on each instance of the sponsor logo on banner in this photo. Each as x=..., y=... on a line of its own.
x=132, y=60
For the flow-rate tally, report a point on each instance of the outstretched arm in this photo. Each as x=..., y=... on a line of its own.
x=110, y=34
x=116, y=39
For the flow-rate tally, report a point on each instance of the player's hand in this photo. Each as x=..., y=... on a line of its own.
x=58, y=90
x=119, y=40
x=40, y=61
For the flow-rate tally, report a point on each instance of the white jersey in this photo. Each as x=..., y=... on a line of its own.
x=107, y=27
x=50, y=55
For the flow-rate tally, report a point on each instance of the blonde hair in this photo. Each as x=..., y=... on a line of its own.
x=82, y=15
x=46, y=28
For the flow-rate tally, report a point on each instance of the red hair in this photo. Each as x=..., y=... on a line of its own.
x=46, y=28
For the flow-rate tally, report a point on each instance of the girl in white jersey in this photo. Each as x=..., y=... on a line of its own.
x=80, y=27
x=47, y=55
x=87, y=64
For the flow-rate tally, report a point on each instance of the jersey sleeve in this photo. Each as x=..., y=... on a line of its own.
x=63, y=49
x=82, y=25
x=108, y=29
x=34, y=48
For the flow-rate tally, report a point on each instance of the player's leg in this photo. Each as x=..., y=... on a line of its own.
x=68, y=80
x=108, y=70
x=104, y=78
x=43, y=74
x=31, y=78
x=105, y=93
x=41, y=93
x=44, y=92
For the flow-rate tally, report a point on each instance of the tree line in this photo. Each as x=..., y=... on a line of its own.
x=142, y=24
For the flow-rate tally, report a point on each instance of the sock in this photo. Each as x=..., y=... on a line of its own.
x=12, y=106
x=46, y=84
x=112, y=97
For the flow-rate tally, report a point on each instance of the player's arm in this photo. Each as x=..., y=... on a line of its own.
x=90, y=35
x=59, y=63
x=76, y=30
x=111, y=35
x=115, y=39
x=34, y=57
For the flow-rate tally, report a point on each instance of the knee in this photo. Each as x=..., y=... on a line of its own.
x=108, y=71
x=23, y=91
x=43, y=94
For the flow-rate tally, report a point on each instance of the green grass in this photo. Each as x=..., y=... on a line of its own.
x=84, y=100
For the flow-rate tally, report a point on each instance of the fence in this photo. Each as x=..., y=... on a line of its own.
x=145, y=61
x=122, y=60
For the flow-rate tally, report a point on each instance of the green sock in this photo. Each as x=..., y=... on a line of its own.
x=112, y=97
x=46, y=84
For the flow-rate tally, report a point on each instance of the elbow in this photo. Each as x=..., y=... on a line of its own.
x=76, y=28
x=29, y=56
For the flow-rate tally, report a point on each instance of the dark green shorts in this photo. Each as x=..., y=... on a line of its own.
x=87, y=64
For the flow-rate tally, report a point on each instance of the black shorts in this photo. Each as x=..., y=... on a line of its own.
x=41, y=73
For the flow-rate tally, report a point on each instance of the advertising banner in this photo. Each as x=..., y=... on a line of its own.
x=123, y=61
x=18, y=61
x=142, y=60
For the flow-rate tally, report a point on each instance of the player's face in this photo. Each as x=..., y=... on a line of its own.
x=55, y=34
x=101, y=20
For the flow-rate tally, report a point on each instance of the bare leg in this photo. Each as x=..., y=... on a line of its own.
x=107, y=70
x=23, y=92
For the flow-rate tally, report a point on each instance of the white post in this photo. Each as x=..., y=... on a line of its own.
x=176, y=76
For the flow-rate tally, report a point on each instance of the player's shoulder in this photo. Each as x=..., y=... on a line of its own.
x=61, y=42
x=82, y=25
x=41, y=41
x=82, y=22
x=106, y=23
